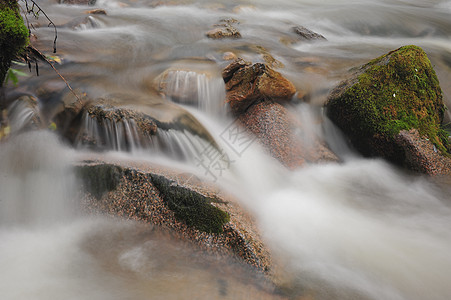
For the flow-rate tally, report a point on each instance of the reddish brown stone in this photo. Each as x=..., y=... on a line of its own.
x=247, y=84
x=274, y=86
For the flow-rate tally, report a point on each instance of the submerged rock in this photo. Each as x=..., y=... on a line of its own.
x=396, y=92
x=83, y=23
x=307, y=34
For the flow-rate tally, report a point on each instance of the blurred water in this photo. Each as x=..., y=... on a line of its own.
x=357, y=230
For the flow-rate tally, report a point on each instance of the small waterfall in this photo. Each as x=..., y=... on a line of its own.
x=107, y=134
x=205, y=92
x=23, y=114
x=184, y=145
x=126, y=135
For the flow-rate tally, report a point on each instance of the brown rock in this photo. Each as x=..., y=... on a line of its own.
x=242, y=88
x=247, y=84
x=223, y=32
x=273, y=126
x=273, y=85
x=96, y=11
x=228, y=72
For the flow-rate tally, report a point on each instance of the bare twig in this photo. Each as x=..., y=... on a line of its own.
x=41, y=56
x=36, y=15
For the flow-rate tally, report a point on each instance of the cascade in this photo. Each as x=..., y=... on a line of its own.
x=203, y=91
x=126, y=135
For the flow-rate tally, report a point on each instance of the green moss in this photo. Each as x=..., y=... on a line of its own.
x=191, y=207
x=13, y=35
x=397, y=91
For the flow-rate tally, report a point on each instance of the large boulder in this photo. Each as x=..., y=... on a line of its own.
x=247, y=84
x=396, y=92
x=277, y=130
x=191, y=210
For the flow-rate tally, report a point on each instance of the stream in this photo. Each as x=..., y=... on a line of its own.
x=360, y=229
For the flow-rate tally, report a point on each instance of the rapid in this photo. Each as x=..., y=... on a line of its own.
x=359, y=229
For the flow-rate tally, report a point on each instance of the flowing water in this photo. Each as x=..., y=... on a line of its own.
x=361, y=229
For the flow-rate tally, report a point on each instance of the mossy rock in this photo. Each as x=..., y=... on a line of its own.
x=191, y=207
x=13, y=35
x=394, y=92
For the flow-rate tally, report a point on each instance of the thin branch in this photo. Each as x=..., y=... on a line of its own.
x=41, y=56
x=36, y=14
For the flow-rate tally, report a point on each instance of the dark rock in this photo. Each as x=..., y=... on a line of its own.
x=397, y=91
x=307, y=34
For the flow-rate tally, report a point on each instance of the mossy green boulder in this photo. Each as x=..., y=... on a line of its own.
x=395, y=92
x=13, y=35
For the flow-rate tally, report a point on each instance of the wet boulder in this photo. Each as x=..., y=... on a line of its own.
x=381, y=102
x=193, y=211
x=279, y=132
x=247, y=84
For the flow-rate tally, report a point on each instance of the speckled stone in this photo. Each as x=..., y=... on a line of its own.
x=136, y=198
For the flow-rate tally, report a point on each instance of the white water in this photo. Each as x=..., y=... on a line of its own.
x=357, y=230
